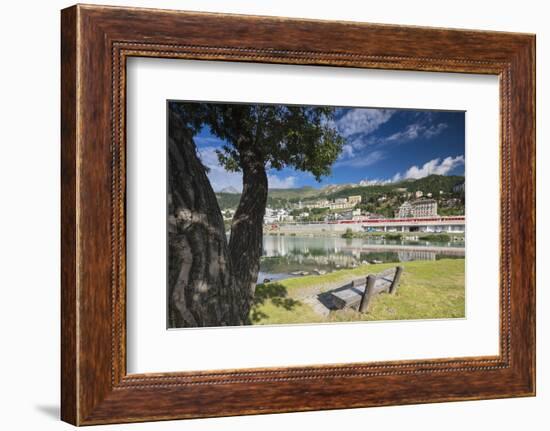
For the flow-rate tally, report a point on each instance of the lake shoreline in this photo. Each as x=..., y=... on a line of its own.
x=284, y=256
x=458, y=237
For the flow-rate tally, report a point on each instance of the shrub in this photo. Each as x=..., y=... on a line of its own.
x=348, y=234
x=437, y=237
x=394, y=236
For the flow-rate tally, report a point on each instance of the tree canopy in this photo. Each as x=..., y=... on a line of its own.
x=255, y=138
x=277, y=136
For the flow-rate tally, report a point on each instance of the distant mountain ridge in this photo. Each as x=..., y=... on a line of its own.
x=280, y=197
x=230, y=189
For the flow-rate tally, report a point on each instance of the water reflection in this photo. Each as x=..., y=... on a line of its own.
x=289, y=256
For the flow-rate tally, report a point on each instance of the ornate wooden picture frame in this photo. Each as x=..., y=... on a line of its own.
x=96, y=41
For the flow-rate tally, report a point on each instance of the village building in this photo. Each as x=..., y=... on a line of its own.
x=276, y=215
x=418, y=208
x=323, y=203
x=340, y=204
x=354, y=199
x=337, y=204
x=350, y=214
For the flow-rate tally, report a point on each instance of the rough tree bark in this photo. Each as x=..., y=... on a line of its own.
x=201, y=286
x=246, y=240
x=211, y=282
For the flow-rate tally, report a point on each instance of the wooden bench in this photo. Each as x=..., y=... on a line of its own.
x=359, y=292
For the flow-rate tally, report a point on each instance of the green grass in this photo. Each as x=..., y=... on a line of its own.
x=428, y=290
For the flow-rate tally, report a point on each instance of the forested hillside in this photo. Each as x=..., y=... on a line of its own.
x=283, y=198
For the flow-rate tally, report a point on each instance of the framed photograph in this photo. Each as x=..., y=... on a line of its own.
x=265, y=215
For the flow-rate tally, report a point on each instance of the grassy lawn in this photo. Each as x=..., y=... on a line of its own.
x=428, y=290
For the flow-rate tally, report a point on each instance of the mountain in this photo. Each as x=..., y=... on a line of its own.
x=277, y=198
x=231, y=190
x=430, y=184
x=297, y=193
x=433, y=183
x=280, y=198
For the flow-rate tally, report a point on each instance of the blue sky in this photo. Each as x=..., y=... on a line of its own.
x=381, y=145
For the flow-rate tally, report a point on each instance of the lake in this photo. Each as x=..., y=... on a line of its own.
x=291, y=256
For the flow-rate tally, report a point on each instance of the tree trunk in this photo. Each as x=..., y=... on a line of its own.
x=246, y=241
x=201, y=287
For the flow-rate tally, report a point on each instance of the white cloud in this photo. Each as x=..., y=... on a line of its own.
x=374, y=182
x=209, y=157
x=396, y=177
x=275, y=182
x=363, y=120
x=413, y=131
x=221, y=179
x=433, y=167
x=362, y=161
x=218, y=176
x=435, y=130
x=353, y=147
x=347, y=151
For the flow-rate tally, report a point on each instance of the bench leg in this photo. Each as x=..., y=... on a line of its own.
x=367, y=294
x=395, y=282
